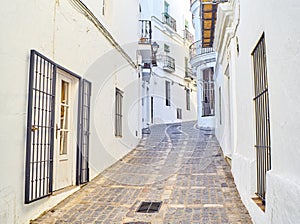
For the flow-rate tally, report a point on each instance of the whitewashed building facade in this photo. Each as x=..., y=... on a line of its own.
x=169, y=91
x=256, y=103
x=74, y=92
x=203, y=60
x=69, y=86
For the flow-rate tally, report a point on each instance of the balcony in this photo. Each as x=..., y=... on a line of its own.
x=200, y=54
x=168, y=63
x=188, y=36
x=145, y=41
x=145, y=32
x=197, y=49
x=170, y=21
x=192, y=2
x=189, y=74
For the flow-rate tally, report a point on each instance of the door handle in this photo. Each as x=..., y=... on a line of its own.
x=34, y=128
x=56, y=130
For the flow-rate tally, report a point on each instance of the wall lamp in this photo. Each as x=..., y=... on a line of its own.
x=154, y=49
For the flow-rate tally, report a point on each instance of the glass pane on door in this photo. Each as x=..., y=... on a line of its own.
x=64, y=117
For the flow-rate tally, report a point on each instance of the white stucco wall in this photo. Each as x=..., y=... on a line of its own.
x=168, y=114
x=60, y=32
x=282, y=36
x=110, y=72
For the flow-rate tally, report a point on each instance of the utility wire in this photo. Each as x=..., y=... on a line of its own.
x=82, y=8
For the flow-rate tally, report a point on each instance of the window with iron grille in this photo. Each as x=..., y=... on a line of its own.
x=220, y=105
x=152, y=109
x=188, y=99
x=118, y=113
x=168, y=94
x=179, y=113
x=166, y=48
x=208, y=103
x=262, y=117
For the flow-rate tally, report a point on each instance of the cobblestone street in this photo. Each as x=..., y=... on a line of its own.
x=178, y=165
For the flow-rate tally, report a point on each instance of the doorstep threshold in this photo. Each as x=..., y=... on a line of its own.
x=66, y=190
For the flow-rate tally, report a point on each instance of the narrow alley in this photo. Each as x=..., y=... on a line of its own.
x=178, y=165
x=150, y=112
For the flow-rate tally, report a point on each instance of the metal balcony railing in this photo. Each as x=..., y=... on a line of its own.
x=197, y=49
x=188, y=36
x=209, y=2
x=192, y=2
x=189, y=73
x=145, y=32
x=167, y=19
x=168, y=63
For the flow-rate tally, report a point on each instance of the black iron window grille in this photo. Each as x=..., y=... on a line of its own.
x=220, y=105
x=118, y=113
x=179, y=113
x=262, y=116
x=84, y=132
x=208, y=103
x=152, y=109
x=40, y=128
x=168, y=93
x=188, y=99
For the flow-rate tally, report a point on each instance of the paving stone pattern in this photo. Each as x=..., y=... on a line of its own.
x=176, y=164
